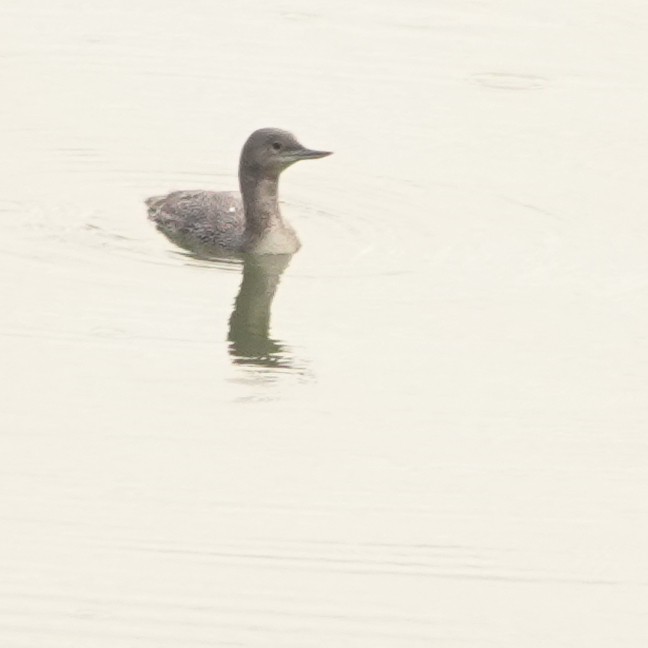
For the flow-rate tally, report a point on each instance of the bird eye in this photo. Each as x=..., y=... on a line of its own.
x=276, y=146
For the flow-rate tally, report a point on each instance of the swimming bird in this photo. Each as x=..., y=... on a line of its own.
x=229, y=221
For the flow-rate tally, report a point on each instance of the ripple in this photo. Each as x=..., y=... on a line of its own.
x=462, y=234
x=72, y=232
x=419, y=560
x=509, y=81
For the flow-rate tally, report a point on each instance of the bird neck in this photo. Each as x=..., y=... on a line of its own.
x=260, y=200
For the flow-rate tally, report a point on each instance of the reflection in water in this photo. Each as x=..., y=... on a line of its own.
x=250, y=342
x=249, y=324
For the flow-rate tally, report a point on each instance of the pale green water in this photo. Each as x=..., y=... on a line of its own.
x=444, y=441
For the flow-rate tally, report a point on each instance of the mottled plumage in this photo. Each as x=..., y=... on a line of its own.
x=206, y=218
x=229, y=221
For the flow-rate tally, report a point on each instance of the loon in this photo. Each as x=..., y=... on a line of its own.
x=229, y=221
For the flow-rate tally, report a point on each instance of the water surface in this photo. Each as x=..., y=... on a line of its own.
x=428, y=428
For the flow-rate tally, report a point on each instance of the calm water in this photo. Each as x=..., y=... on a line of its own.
x=440, y=437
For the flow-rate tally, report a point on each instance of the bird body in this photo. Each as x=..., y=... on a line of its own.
x=248, y=221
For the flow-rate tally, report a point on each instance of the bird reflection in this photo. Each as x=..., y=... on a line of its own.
x=249, y=326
